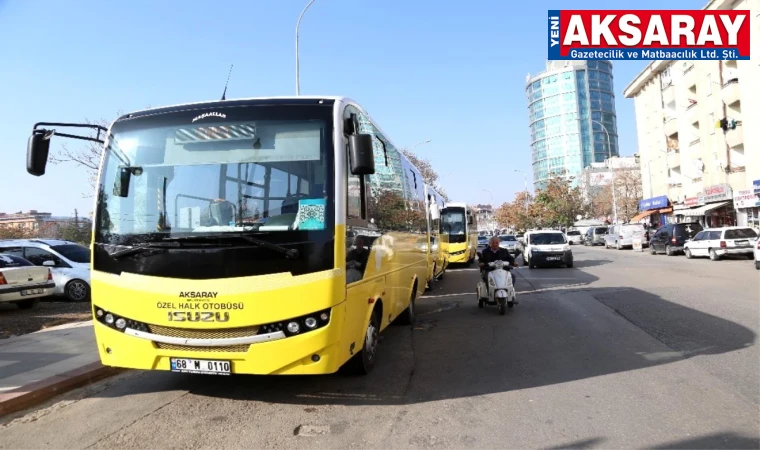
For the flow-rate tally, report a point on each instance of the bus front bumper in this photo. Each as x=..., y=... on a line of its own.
x=310, y=352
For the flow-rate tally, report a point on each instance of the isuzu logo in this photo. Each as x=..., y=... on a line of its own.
x=198, y=316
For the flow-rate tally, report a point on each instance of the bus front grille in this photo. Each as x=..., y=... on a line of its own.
x=195, y=333
x=228, y=348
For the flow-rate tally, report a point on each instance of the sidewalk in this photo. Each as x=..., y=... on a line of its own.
x=38, y=366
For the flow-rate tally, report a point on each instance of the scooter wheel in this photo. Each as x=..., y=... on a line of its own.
x=502, y=309
x=480, y=304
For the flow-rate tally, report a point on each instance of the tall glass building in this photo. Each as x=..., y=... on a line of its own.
x=566, y=105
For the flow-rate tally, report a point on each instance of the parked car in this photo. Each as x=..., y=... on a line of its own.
x=719, y=242
x=69, y=261
x=671, y=237
x=621, y=236
x=509, y=242
x=547, y=247
x=595, y=236
x=482, y=242
x=574, y=237
x=520, y=238
x=22, y=283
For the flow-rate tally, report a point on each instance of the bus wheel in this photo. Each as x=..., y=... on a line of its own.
x=407, y=317
x=363, y=362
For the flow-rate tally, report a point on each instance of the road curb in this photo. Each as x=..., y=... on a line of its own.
x=34, y=393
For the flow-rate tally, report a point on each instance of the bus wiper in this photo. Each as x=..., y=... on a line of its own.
x=143, y=247
x=290, y=253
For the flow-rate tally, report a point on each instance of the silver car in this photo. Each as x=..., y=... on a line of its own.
x=509, y=242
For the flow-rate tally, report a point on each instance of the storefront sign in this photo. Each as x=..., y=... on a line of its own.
x=693, y=201
x=746, y=198
x=717, y=193
x=756, y=186
x=653, y=203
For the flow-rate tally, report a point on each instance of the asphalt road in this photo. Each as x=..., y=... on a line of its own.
x=625, y=350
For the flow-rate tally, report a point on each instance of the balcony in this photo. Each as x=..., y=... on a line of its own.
x=668, y=94
x=674, y=158
x=670, y=126
x=735, y=137
x=692, y=112
x=689, y=74
x=675, y=181
x=731, y=93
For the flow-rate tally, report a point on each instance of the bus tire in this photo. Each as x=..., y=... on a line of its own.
x=407, y=317
x=363, y=362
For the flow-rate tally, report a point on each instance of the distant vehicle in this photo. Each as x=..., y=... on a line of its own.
x=69, y=262
x=595, y=236
x=574, y=237
x=482, y=242
x=719, y=242
x=622, y=236
x=757, y=254
x=22, y=283
x=671, y=237
x=460, y=224
x=509, y=242
x=547, y=247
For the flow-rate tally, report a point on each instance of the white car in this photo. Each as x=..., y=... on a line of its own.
x=574, y=237
x=69, y=262
x=547, y=247
x=719, y=242
x=23, y=283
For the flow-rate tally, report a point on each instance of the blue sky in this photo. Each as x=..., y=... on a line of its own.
x=451, y=72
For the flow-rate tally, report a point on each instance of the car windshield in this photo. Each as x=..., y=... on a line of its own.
x=73, y=252
x=741, y=233
x=601, y=230
x=10, y=262
x=689, y=230
x=507, y=239
x=547, y=239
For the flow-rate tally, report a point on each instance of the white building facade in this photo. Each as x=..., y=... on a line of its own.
x=698, y=126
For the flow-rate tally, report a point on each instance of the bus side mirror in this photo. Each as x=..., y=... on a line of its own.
x=37, y=151
x=361, y=155
x=435, y=213
x=121, y=184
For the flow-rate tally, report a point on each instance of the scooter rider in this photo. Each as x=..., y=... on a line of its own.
x=495, y=253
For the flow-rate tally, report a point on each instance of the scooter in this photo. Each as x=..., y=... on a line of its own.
x=500, y=290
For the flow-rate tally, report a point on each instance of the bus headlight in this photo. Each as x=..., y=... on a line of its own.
x=293, y=327
x=121, y=323
x=310, y=322
x=109, y=319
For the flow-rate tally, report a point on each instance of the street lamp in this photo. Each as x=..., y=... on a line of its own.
x=525, y=180
x=298, y=25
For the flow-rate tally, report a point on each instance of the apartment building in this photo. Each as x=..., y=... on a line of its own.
x=485, y=217
x=34, y=220
x=698, y=132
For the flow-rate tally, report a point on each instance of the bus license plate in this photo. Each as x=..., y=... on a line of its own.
x=31, y=292
x=553, y=258
x=201, y=366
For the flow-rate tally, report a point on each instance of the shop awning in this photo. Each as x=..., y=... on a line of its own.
x=700, y=211
x=643, y=215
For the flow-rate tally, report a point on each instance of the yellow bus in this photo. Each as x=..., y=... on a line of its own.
x=251, y=236
x=459, y=222
x=439, y=242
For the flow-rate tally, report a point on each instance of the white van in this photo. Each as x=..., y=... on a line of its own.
x=547, y=247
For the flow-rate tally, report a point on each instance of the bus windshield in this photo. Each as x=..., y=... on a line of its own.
x=191, y=175
x=453, y=221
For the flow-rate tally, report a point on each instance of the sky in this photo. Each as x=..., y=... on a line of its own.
x=449, y=72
